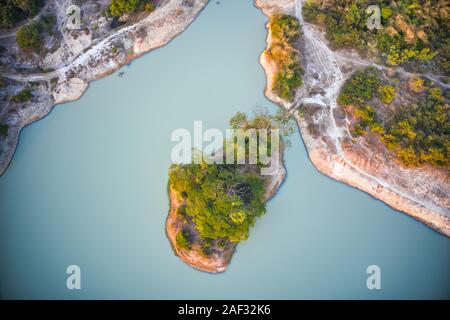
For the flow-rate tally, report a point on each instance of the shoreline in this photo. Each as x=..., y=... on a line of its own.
x=336, y=165
x=72, y=88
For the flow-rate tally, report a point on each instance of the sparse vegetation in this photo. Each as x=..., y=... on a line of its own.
x=182, y=240
x=24, y=95
x=28, y=37
x=418, y=132
x=288, y=77
x=361, y=87
x=14, y=11
x=217, y=193
x=223, y=200
x=47, y=22
x=386, y=93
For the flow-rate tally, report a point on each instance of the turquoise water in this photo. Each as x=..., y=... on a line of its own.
x=87, y=186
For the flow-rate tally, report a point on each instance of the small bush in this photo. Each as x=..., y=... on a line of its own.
x=386, y=94
x=23, y=96
x=118, y=8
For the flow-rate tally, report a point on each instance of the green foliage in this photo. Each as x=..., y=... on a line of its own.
x=23, y=96
x=47, y=22
x=263, y=120
x=285, y=28
x=386, y=13
x=14, y=11
x=238, y=120
x=118, y=8
x=387, y=94
x=183, y=240
x=411, y=29
x=4, y=130
x=149, y=7
x=222, y=201
x=418, y=133
x=222, y=244
x=285, y=31
x=360, y=88
x=28, y=36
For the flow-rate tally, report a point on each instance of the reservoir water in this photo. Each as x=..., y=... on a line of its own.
x=87, y=186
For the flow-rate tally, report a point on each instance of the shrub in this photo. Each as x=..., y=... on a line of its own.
x=14, y=11
x=28, y=36
x=149, y=7
x=285, y=31
x=118, y=8
x=415, y=84
x=182, y=240
x=418, y=133
x=360, y=88
x=47, y=22
x=408, y=32
x=4, y=130
x=23, y=96
x=386, y=94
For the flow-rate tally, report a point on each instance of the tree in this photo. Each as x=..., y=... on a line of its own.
x=360, y=88
x=238, y=120
x=285, y=30
x=182, y=240
x=412, y=30
x=28, y=36
x=224, y=200
x=23, y=96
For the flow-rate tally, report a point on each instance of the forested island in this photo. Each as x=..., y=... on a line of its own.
x=214, y=206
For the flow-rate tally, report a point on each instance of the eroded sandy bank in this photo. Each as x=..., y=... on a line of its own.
x=421, y=193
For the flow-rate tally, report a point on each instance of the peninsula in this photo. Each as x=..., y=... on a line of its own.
x=52, y=58
x=358, y=145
